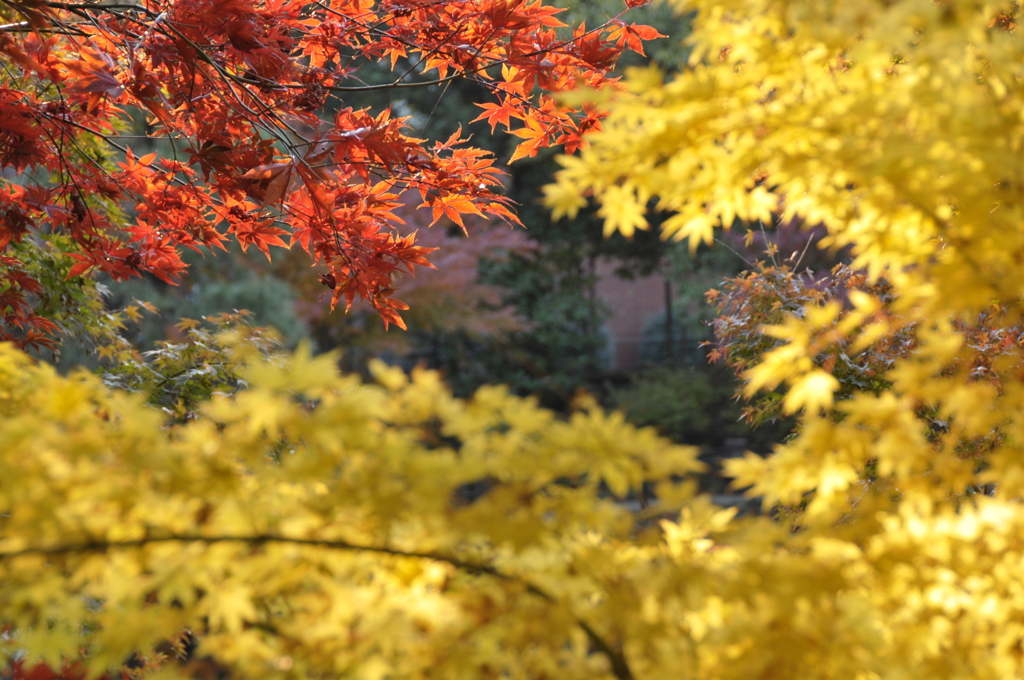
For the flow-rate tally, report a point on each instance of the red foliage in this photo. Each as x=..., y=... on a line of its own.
x=41, y=671
x=253, y=89
x=444, y=298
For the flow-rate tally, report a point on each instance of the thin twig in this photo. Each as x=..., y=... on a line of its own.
x=733, y=251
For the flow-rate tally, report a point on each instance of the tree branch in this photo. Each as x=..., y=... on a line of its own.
x=616, y=659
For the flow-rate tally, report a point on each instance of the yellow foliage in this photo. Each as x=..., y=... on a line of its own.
x=312, y=526
x=897, y=126
x=315, y=525
x=356, y=530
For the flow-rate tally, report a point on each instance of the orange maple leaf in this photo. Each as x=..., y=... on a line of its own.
x=536, y=136
x=497, y=113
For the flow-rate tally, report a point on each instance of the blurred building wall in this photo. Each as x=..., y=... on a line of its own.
x=634, y=305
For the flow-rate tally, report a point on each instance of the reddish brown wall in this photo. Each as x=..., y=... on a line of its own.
x=634, y=305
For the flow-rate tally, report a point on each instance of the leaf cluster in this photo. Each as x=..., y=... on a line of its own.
x=748, y=305
x=308, y=523
x=263, y=151
x=177, y=376
x=892, y=127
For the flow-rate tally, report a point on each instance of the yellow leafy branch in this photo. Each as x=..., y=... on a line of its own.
x=616, y=659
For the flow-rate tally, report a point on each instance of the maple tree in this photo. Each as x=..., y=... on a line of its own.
x=918, y=220
x=302, y=523
x=250, y=95
x=893, y=126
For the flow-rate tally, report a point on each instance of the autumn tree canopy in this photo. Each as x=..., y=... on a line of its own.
x=890, y=125
x=251, y=96
x=895, y=126
x=310, y=525
x=299, y=524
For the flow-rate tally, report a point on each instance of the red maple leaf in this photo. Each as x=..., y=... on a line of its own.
x=95, y=73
